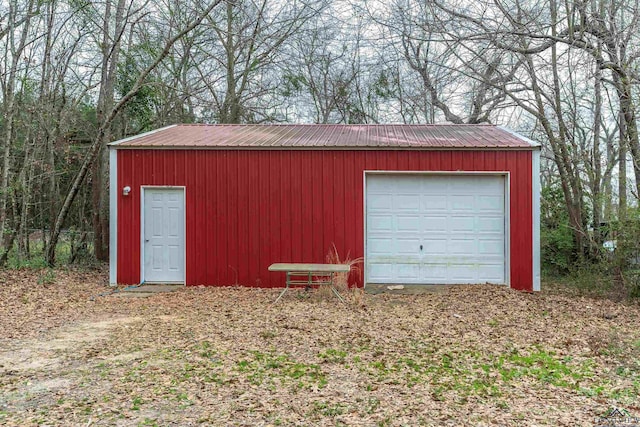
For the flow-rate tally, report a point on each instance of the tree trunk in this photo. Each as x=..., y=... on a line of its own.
x=111, y=44
x=622, y=162
x=98, y=142
x=9, y=103
x=596, y=181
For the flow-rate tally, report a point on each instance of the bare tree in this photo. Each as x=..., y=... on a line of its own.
x=239, y=63
x=460, y=81
x=551, y=44
x=98, y=142
x=16, y=37
x=324, y=72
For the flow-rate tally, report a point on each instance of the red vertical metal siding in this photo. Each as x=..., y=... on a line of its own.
x=248, y=209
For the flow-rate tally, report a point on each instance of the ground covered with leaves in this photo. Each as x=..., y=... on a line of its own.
x=476, y=355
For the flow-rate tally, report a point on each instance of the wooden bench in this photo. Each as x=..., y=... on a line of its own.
x=310, y=275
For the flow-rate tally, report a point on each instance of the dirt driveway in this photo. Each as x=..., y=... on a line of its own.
x=480, y=355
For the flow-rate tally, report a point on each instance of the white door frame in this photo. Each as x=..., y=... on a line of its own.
x=184, y=225
x=507, y=211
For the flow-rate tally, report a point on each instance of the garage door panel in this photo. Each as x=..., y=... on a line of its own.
x=381, y=186
x=491, y=247
x=408, y=272
x=435, y=246
x=408, y=223
x=491, y=273
x=460, y=203
x=407, y=184
x=433, y=273
x=462, y=247
x=433, y=223
x=463, y=273
x=381, y=272
x=406, y=202
x=490, y=204
x=462, y=223
x=406, y=246
x=479, y=185
x=459, y=187
x=493, y=224
x=434, y=203
x=379, y=245
x=380, y=202
x=438, y=185
x=435, y=229
x=378, y=223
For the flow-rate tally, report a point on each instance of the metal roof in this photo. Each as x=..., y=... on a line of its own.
x=312, y=136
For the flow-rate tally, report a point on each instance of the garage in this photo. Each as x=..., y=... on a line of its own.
x=436, y=228
x=216, y=205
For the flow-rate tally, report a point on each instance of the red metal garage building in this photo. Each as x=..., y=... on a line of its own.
x=423, y=204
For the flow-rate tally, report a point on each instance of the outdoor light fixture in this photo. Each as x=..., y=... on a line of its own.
x=126, y=190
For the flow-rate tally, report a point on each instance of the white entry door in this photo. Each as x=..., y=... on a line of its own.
x=435, y=229
x=163, y=244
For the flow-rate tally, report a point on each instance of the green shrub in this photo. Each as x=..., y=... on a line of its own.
x=557, y=246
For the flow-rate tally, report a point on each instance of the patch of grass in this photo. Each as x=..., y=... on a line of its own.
x=541, y=365
x=268, y=367
x=48, y=277
x=372, y=404
x=329, y=410
x=36, y=260
x=545, y=367
x=471, y=373
x=598, y=280
x=206, y=350
x=104, y=370
x=136, y=402
x=139, y=373
x=331, y=355
x=502, y=405
x=182, y=397
x=207, y=365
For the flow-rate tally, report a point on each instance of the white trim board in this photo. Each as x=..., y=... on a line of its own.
x=113, y=216
x=535, y=190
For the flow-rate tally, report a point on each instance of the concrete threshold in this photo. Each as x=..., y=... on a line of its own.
x=152, y=289
x=144, y=291
x=407, y=289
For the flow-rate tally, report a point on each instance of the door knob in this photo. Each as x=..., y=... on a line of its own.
x=420, y=247
x=147, y=241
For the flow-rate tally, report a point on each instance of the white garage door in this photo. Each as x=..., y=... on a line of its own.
x=435, y=229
